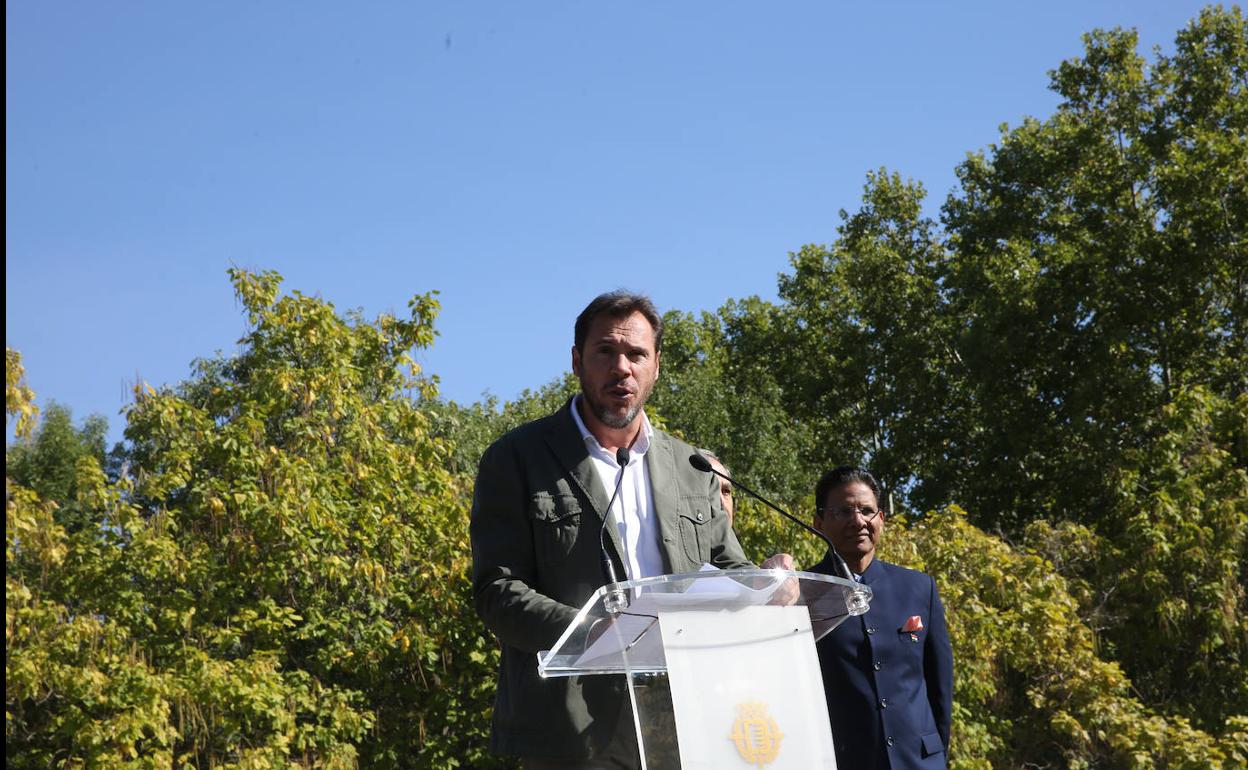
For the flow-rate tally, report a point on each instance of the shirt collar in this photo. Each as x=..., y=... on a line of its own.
x=639, y=446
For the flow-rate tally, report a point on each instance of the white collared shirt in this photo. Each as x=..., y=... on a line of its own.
x=633, y=509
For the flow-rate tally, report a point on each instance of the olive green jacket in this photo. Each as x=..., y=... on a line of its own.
x=537, y=511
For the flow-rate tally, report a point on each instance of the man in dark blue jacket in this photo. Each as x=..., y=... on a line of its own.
x=888, y=674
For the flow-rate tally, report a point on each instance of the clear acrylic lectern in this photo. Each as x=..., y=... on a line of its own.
x=721, y=665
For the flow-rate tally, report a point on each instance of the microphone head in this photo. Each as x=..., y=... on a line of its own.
x=621, y=456
x=701, y=463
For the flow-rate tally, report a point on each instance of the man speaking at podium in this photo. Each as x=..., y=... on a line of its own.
x=537, y=516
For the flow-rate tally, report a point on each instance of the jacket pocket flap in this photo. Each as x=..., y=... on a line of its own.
x=696, y=509
x=546, y=507
x=932, y=744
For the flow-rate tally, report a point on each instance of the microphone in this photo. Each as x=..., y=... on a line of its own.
x=616, y=599
x=698, y=461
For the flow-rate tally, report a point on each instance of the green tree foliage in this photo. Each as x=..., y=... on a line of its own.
x=874, y=366
x=48, y=464
x=1101, y=267
x=1031, y=690
x=1163, y=576
x=279, y=580
x=1101, y=276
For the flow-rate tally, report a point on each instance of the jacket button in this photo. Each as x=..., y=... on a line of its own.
x=870, y=630
x=878, y=665
x=883, y=703
x=889, y=740
x=699, y=517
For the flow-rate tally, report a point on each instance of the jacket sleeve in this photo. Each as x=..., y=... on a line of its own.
x=503, y=558
x=938, y=667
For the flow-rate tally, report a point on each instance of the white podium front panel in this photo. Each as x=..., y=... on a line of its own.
x=746, y=689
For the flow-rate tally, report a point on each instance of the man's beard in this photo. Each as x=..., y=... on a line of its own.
x=599, y=409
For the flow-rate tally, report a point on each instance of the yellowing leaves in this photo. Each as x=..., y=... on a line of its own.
x=258, y=568
x=19, y=399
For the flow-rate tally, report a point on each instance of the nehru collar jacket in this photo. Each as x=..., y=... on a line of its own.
x=888, y=674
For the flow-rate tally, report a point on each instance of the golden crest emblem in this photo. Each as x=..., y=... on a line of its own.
x=756, y=734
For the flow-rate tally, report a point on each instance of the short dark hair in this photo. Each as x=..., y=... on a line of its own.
x=839, y=477
x=618, y=304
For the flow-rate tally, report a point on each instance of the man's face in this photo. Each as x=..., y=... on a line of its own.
x=853, y=535
x=617, y=368
x=725, y=488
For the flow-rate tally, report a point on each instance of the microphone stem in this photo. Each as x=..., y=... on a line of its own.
x=775, y=508
x=831, y=548
x=615, y=600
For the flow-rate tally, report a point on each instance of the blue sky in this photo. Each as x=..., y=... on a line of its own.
x=518, y=157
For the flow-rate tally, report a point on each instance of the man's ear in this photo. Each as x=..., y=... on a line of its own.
x=576, y=361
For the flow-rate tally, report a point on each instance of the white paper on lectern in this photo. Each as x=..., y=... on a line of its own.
x=727, y=586
x=718, y=661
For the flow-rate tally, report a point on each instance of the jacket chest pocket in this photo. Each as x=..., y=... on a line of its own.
x=909, y=650
x=556, y=522
x=695, y=529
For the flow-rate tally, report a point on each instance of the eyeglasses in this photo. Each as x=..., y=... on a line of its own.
x=849, y=511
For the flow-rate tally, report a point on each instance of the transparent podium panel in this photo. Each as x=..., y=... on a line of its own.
x=721, y=665
x=630, y=641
